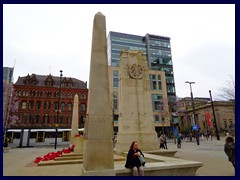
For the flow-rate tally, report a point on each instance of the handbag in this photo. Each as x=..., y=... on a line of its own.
x=142, y=160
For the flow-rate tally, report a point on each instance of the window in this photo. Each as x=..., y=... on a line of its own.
x=46, y=119
x=69, y=95
x=24, y=93
x=62, y=106
x=83, y=107
x=31, y=104
x=115, y=79
x=83, y=96
x=156, y=119
x=157, y=102
x=21, y=118
x=61, y=119
x=69, y=107
x=47, y=105
x=19, y=93
x=55, y=119
x=24, y=105
x=38, y=104
x=37, y=119
x=30, y=119
x=153, y=82
x=115, y=100
x=68, y=119
x=159, y=83
x=55, y=106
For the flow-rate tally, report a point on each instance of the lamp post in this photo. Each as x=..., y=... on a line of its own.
x=193, y=107
x=215, y=122
x=29, y=129
x=59, y=96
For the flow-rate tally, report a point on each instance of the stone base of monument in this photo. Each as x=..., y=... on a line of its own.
x=71, y=158
x=108, y=172
x=78, y=142
x=162, y=166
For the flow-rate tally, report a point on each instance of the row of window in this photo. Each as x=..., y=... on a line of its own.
x=160, y=43
x=45, y=119
x=47, y=105
x=156, y=83
x=48, y=94
x=132, y=41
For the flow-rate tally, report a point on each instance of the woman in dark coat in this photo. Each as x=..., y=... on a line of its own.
x=133, y=161
x=229, y=149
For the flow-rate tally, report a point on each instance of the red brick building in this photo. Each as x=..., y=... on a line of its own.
x=38, y=97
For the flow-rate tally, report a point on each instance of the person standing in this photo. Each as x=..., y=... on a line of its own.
x=229, y=149
x=165, y=141
x=133, y=161
x=179, y=141
x=162, y=142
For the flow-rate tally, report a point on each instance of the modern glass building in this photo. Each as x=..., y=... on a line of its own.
x=158, y=53
x=8, y=74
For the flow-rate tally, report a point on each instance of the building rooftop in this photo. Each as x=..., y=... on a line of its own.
x=41, y=80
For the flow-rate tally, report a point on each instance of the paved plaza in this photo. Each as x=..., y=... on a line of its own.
x=19, y=161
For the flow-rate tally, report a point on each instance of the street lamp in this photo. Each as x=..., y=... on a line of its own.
x=215, y=122
x=59, y=96
x=193, y=107
x=29, y=129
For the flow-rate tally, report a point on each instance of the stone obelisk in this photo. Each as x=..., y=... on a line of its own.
x=74, y=120
x=136, y=121
x=98, y=145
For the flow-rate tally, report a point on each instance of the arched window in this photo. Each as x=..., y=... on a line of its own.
x=37, y=119
x=38, y=104
x=24, y=105
x=68, y=119
x=69, y=107
x=62, y=106
x=61, y=119
x=31, y=104
x=55, y=106
x=47, y=105
x=55, y=119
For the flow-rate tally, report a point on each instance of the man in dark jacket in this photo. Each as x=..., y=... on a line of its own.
x=229, y=149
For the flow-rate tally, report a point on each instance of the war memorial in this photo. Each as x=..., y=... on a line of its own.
x=94, y=152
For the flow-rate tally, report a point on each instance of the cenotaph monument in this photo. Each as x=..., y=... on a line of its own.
x=98, y=130
x=136, y=122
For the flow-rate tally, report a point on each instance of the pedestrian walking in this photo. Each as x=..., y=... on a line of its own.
x=165, y=141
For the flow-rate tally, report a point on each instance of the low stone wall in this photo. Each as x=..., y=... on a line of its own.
x=167, y=166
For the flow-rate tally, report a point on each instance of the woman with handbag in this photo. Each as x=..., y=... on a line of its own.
x=135, y=160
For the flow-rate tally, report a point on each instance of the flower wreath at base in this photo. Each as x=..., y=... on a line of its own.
x=53, y=155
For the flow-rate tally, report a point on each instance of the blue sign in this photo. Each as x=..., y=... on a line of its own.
x=175, y=131
x=195, y=127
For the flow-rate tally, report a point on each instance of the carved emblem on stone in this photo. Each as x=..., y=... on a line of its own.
x=136, y=71
x=132, y=53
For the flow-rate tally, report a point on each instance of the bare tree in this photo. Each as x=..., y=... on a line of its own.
x=228, y=91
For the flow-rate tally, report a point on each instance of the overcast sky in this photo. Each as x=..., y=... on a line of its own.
x=45, y=39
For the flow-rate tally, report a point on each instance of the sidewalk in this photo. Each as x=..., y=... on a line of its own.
x=210, y=153
x=19, y=161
